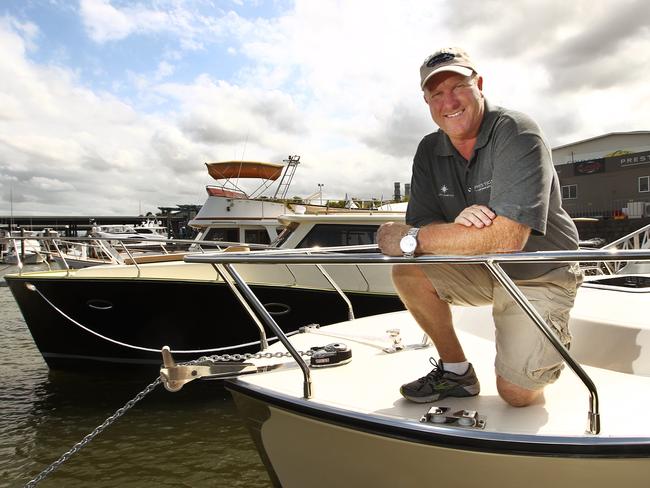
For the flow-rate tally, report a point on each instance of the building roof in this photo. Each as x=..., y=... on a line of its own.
x=636, y=132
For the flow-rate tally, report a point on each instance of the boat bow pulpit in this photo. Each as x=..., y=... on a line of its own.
x=493, y=262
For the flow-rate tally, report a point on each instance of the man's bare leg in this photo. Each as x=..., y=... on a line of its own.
x=516, y=395
x=431, y=313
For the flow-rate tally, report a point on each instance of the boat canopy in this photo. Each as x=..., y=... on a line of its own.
x=245, y=169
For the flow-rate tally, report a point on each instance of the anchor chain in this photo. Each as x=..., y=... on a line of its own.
x=98, y=430
x=243, y=357
x=128, y=405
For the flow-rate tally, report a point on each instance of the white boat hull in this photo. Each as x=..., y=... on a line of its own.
x=305, y=451
x=356, y=429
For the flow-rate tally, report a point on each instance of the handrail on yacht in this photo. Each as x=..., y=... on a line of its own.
x=132, y=240
x=104, y=242
x=19, y=261
x=491, y=261
x=635, y=234
x=21, y=254
x=225, y=275
x=63, y=259
x=634, y=240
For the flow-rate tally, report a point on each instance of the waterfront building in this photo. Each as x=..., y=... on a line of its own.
x=607, y=176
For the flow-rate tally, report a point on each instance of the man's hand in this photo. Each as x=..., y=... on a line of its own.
x=388, y=237
x=477, y=215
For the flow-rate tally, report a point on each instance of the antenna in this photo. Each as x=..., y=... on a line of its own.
x=11, y=207
x=242, y=154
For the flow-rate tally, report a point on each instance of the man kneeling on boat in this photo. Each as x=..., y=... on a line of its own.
x=483, y=183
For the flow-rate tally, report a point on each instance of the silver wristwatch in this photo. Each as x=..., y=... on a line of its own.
x=409, y=242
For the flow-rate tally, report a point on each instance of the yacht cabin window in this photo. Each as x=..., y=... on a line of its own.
x=326, y=235
x=222, y=234
x=256, y=236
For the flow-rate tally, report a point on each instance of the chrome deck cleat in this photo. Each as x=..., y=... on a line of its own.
x=398, y=345
x=460, y=418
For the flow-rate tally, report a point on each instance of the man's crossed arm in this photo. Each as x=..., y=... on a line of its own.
x=476, y=230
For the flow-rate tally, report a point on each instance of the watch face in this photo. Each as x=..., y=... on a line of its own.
x=408, y=244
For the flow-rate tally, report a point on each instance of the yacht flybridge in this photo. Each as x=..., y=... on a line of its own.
x=347, y=425
x=230, y=214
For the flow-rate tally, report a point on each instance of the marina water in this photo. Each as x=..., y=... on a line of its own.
x=192, y=438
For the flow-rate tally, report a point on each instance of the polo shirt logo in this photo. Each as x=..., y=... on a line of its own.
x=485, y=185
x=444, y=192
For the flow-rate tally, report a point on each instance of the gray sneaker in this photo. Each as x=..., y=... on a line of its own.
x=439, y=384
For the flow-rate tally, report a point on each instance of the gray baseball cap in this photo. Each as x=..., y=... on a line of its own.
x=447, y=59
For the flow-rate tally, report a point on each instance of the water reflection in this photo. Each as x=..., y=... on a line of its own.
x=193, y=436
x=190, y=438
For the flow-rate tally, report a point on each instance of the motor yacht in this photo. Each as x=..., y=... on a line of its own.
x=121, y=315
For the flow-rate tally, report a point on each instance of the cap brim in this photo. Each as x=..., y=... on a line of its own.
x=461, y=70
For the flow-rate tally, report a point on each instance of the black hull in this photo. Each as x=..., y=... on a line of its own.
x=154, y=313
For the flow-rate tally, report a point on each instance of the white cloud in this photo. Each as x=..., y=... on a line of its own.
x=50, y=184
x=333, y=81
x=164, y=70
x=89, y=148
x=104, y=22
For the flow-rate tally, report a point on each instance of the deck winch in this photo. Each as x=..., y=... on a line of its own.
x=335, y=354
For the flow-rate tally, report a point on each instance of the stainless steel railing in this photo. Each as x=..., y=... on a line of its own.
x=56, y=247
x=639, y=239
x=491, y=261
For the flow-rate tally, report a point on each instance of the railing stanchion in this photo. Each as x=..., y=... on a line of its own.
x=63, y=260
x=512, y=289
x=266, y=316
x=264, y=344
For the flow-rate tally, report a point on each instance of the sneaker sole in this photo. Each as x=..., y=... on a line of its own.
x=460, y=392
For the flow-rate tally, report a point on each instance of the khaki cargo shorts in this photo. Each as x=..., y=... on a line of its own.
x=524, y=356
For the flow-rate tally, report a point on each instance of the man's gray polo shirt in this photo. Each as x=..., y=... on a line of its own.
x=510, y=171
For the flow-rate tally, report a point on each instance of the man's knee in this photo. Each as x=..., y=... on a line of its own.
x=516, y=395
x=411, y=279
x=408, y=273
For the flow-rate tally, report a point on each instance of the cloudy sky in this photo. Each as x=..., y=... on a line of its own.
x=112, y=106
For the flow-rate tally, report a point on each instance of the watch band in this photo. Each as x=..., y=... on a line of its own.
x=410, y=240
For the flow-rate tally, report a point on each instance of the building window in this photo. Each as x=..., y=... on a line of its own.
x=569, y=192
x=644, y=184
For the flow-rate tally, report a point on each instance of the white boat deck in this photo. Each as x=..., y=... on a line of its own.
x=370, y=383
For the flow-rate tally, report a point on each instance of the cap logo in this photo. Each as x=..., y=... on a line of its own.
x=440, y=58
